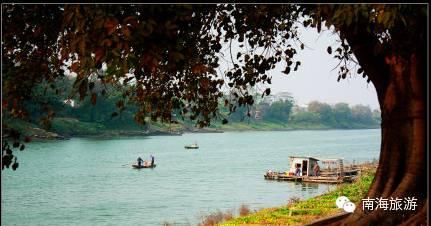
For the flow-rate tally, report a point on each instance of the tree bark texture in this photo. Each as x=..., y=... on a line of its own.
x=400, y=83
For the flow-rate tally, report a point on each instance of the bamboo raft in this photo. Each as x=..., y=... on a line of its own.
x=310, y=179
x=325, y=177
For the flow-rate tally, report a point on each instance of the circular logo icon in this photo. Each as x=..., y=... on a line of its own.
x=349, y=207
x=340, y=201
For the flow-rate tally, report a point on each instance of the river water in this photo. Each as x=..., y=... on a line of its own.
x=90, y=181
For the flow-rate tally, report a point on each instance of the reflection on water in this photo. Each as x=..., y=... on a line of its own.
x=91, y=182
x=309, y=186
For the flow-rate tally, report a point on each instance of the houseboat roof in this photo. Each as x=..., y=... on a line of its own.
x=303, y=157
x=316, y=159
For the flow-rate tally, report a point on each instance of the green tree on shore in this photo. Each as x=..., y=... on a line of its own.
x=279, y=111
x=362, y=114
x=343, y=114
x=325, y=112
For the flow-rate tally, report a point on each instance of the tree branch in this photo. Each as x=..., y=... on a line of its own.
x=363, y=44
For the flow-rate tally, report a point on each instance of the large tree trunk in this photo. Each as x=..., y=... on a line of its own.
x=402, y=168
x=400, y=83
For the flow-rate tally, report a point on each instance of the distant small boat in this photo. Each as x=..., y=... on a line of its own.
x=142, y=166
x=192, y=146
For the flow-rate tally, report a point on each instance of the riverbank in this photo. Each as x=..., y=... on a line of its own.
x=279, y=126
x=65, y=128
x=300, y=212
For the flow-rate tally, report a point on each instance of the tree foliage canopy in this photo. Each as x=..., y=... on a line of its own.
x=170, y=54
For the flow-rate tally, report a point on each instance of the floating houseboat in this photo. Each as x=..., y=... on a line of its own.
x=301, y=170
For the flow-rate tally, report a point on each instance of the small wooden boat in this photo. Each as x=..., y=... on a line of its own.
x=192, y=146
x=143, y=166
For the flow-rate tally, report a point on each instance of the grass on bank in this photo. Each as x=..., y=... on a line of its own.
x=306, y=211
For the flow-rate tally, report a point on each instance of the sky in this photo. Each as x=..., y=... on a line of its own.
x=316, y=77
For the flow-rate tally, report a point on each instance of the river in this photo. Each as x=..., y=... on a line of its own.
x=84, y=181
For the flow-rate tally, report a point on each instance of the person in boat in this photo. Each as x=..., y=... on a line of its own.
x=140, y=161
x=298, y=171
x=269, y=173
x=316, y=169
x=146, y=163
x=152, y=160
